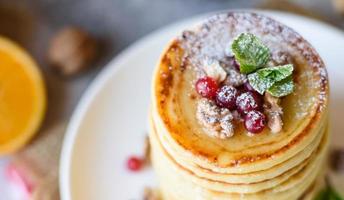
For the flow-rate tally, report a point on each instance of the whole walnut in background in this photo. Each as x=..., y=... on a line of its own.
x=338, y=6
x=72, y=50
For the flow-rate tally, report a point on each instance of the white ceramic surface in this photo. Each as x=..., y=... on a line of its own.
x=110, y=121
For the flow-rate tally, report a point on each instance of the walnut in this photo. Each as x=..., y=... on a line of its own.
x=214, y=70
x=218, y=122
x=151, y=194
x=72, y=50
x=338, y=5
x=274, y=112
x=235, y=78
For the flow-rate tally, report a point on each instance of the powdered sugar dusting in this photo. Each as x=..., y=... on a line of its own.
x=234, y=77
x=246, y=100
x=213, y=39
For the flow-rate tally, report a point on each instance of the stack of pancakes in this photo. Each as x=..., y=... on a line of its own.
x=192, y=165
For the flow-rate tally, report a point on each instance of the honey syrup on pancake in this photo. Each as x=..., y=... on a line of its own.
x=180, y=68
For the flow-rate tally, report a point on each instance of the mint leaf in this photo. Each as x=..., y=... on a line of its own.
x=263, y=79
x=259, y=82
x=250, y=52
x=328, y=194
x=282, y=88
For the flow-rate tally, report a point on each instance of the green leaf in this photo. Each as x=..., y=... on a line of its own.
x=264, y=79
x=259, y=83
x=250, y=52
x=328, y=193
x=282, y=88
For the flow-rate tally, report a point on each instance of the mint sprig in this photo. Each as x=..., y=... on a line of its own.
x=282, y=88
x=252, y=55
x=250, y=52
x=329, y=192
x=273, y=79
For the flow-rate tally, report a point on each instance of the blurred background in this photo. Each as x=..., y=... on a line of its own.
x=113, y=25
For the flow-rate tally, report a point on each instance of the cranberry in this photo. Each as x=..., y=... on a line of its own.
x=226, y=97
x=134, y=163
x=206, y=87
x=234, y=63
x=255, y=121
x=248, y=87
x=241, y=89
x=17, y=176
x=248, y=101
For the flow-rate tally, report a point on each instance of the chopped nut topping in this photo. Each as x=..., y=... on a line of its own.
x=217, y=121
x=274, y=112
x=151, y=194
x=237, y=116
x=214, y=70
x=235, y=78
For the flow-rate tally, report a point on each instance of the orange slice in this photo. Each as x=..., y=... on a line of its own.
x=22, y=97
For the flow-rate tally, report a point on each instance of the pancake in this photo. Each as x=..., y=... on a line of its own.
x=177, y=186
x=284, y=154
x=280, y=183
x=266, y=179
x=174, y=100
x=314, y=189
x=193, y=164
x=252, y=177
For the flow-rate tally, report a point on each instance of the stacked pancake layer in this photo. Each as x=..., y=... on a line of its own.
x=191, y=165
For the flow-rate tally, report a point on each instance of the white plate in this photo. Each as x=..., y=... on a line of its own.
x=110, y=121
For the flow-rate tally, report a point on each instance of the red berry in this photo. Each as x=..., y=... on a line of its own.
x=241, y=89
x=248, y=101
x=206, y=87
x=234, y=63
x=226, y=97
x=255, y=121
x=248, y=87
x=134, y=163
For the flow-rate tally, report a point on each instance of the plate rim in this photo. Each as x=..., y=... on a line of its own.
x=111, y=68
